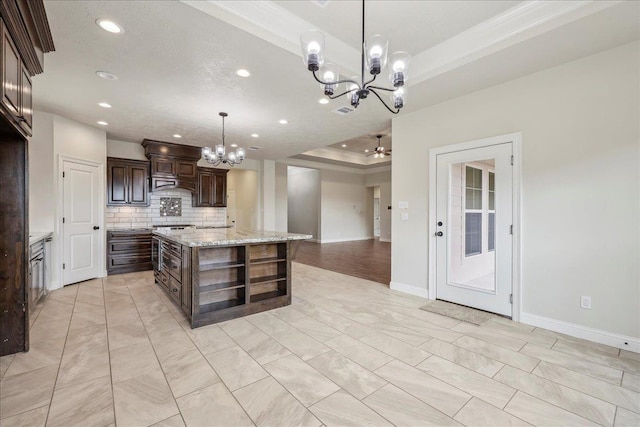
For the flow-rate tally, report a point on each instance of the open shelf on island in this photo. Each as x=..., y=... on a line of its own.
x=219, y=305
x=215, y=265
x=267, y=260
x=267, y=295
x=267, y=279
x=225, y=286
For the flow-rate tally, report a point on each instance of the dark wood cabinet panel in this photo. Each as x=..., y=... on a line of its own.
x=14, y=269
x=211, y=189
x=128, y=251
x=186, y=169
x=26, y=101
x=11, y=70
x=127, y=182
x=163, y=167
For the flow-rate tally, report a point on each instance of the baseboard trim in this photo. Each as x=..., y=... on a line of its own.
x=53, y=285
x=584, y=332
x=352, y=239
x=385, y=240
x=408, y=289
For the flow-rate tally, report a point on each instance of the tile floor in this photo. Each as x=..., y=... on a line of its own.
x=347, y=352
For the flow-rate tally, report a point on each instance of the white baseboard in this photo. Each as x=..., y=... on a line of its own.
x=408, y=289
x=584, y=332
x=352, y=239
x=385, y=240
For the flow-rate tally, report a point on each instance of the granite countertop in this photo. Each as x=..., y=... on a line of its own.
x=226, y=236
x=161, y=226
x=36, y=236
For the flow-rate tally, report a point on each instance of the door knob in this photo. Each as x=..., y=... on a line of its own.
x=95, y=227
x=439, y=234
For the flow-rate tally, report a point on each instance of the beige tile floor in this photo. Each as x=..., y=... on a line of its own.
x=347, y=352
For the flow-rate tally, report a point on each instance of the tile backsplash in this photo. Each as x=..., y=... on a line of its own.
x=142, y=217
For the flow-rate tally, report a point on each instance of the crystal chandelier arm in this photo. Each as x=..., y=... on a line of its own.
x=335, y=83
x=381, y=100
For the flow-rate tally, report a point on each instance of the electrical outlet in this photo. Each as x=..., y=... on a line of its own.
x=585, y=302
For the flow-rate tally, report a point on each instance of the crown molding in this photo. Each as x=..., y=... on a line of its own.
x=267, y=20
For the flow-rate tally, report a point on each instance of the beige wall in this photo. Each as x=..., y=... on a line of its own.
x=245, y=184
x=382, y=181
x=303, y=203
x=580, y=185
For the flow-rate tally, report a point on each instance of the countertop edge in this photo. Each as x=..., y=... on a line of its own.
x=37, y=236
x=233, y=242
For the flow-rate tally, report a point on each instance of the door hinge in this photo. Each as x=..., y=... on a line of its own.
x=63, y=174
x=64, y=266
x=511, y=160
x=511, y=229
x=511, y=299
x=63, y=220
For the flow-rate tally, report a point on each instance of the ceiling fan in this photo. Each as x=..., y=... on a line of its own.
x=379, y=152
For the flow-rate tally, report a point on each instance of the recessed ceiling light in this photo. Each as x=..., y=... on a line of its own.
x=177, y=136
x=106, y=75
x=344, y=145
x=102, y=122
x=243, y=73
x=104, y=105
x=255, y=135
x=366, y=151
x=323, y=101
x=283, y=122
x=234, y=145
x=109, y=26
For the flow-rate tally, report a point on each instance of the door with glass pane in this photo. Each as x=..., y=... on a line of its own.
x=474, y=217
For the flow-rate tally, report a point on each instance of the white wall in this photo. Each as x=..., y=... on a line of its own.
x=382, y=180
x=281, y=197
x=55, y=136
x=580, y=184
x=245, y=184
x=303, y=203
x=42, y=204
x=344, y=212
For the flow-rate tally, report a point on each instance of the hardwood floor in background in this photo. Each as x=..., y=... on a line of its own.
x=367, y=259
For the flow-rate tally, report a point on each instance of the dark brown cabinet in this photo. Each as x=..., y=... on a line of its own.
x=172, y=165
x=128, y=251
x=24, y=38
x=127, y=182
x=211, y=188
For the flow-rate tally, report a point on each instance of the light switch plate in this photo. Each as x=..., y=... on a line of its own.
x=404, y=216
x=403, y=205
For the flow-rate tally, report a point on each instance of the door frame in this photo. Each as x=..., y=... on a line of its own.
x=60, y=213
x=516, y=274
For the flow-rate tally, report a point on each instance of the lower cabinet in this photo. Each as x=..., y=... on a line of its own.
x=128, y=251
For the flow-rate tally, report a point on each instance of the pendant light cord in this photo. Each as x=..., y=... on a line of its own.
x=362, y=49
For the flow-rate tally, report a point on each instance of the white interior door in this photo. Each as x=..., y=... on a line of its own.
x=231, y=207
x=474, y=214
x=376, y=217
x=81, y=234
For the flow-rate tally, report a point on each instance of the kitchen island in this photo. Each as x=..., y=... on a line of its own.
x=220, y=274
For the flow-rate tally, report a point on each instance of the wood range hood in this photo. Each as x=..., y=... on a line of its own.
x=172, y=165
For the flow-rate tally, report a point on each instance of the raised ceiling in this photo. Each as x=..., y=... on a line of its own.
x=176, y=63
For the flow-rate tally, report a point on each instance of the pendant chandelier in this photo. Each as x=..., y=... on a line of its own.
x=220, y=155
x=374, y=56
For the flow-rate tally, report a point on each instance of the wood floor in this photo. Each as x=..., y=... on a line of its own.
x=366, y=259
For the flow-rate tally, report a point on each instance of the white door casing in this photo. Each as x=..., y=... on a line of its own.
x=82, y=252
x=376, y=217
x=231, y=207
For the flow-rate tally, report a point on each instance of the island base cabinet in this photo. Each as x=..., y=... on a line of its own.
x=225, y=282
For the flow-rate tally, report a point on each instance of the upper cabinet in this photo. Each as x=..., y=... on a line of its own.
x=25, y=38
x=211, y=188
x=127, y=182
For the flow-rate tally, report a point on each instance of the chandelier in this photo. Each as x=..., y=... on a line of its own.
x=374, y=56
x=220, y=155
